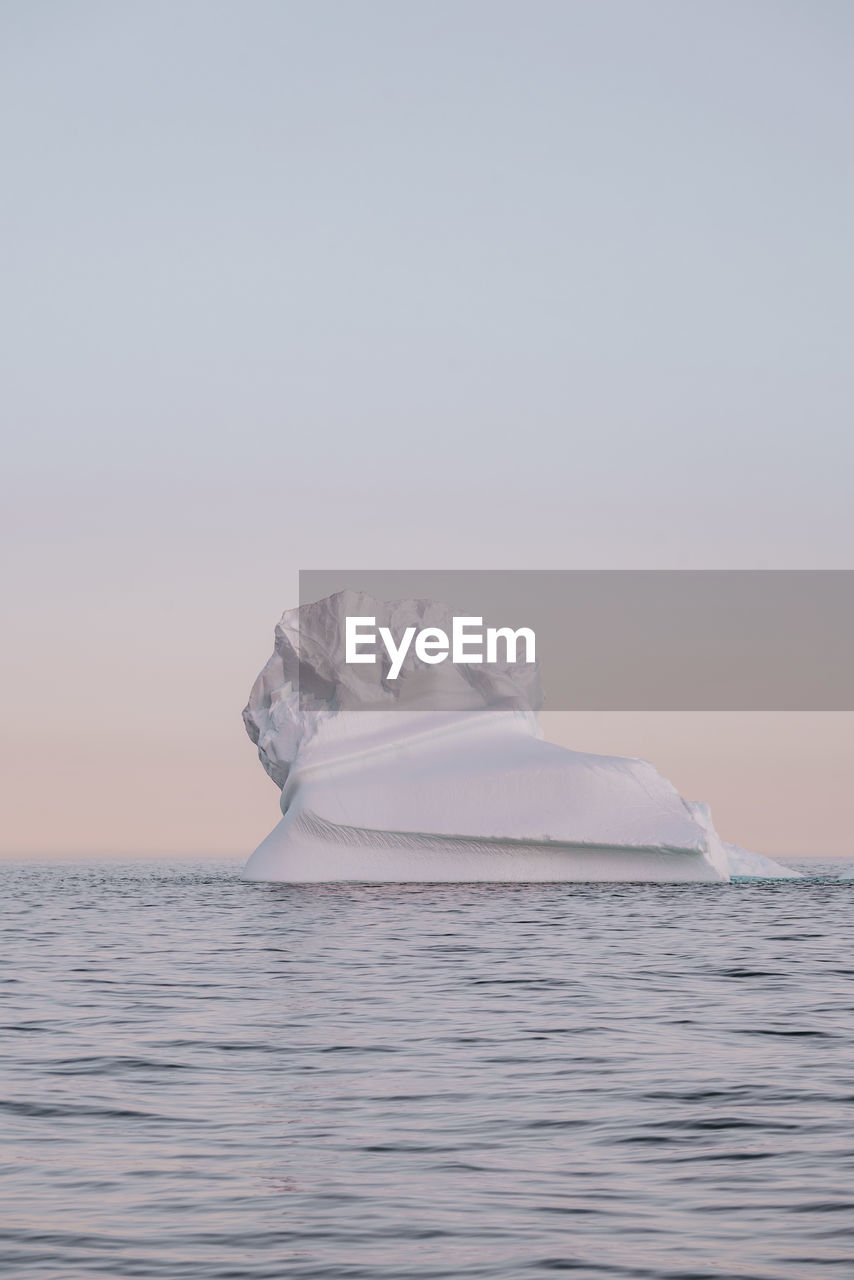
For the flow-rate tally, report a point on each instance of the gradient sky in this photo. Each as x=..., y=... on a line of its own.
x=462, y=283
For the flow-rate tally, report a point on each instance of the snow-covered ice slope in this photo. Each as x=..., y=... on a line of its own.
x=406, y=792
x=756, y=866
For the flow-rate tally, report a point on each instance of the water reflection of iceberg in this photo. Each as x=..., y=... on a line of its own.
x=409, y=791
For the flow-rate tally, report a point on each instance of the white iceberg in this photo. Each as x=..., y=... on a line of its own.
x=380, y=784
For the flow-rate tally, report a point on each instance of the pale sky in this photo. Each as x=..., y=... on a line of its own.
x=464, y=283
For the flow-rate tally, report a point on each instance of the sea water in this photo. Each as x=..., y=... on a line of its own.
x=207, y=1079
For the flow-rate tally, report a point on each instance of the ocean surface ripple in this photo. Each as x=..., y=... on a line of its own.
x=205, y=1079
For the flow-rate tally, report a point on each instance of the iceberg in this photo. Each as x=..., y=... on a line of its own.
x=442, y=774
